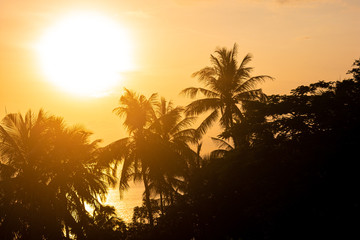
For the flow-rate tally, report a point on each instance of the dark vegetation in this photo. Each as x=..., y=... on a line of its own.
x=286, y=167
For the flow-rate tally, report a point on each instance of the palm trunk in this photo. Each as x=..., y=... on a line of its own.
x=64, y=211
x=147, y=198
x=171, y=198
x=161, y=204
x=198, y=155
x=67, y=231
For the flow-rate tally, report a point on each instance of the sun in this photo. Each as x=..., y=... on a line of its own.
x=84, y=54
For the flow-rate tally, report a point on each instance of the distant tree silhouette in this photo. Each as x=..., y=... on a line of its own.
x=356, y=70
x=105, y=225
x=228, y=85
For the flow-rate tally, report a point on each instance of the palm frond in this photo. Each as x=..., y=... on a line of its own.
x=250, y=83
x=167, y=121
x=234, y=52
x=186, y=135
x=218, y=153
x=202, y=105
x=126, y=174
x=204, y=73
x=209, y=93
x=221, y=143
x=181, y=125
x=245, y=61
x=239, y=114
x=218, y=62
x=193, y=91
x=207, y=123
x=153, y=98
x=251, y=95
x=114, y=152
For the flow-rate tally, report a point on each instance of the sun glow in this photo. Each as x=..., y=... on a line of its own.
x=85, y=53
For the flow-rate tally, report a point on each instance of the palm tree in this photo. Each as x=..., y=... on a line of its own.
x=48, y=173
x=75, y=173
x=134, y=150
x=227, y=86
x=167, y=174
x=154, y=152
x=223, y=148
x=22, y=149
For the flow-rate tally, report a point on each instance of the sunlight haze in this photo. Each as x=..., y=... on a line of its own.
x=74, y=58
x=85, y=53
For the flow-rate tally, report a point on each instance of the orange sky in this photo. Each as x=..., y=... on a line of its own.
x=295, y=41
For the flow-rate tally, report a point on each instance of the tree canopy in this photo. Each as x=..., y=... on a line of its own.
x=290, y=171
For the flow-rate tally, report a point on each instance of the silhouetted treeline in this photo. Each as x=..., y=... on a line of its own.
x=294, y=175
x=286, y=166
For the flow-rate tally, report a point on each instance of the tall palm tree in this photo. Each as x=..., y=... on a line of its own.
x=227, y=85
x=75, y=173
x=167, y=174
x=48, y=173
x=134, y=150
x=156, y=147
x=22, y=148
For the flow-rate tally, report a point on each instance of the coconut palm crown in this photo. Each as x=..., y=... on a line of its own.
x=227, y=85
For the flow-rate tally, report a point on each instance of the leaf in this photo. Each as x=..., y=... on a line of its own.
x=202, y=105
x=251, y=83
x=219, y=153
x=221, y=143
x=207, y=123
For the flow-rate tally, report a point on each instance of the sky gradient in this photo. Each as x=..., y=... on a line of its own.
x=295, y=41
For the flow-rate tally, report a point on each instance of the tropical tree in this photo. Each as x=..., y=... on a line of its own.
x=134, y=150
x=227, y=86
x=76, y=175
x=106, y=225
x=172, y=166
x=48, y=174
x=156, y=151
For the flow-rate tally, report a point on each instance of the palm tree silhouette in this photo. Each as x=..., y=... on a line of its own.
x=156, y=152
x=171, y=166
x=48, y=174
x=134, y=150
x=227, y=86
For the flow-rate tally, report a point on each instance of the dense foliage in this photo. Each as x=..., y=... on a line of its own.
x=48, y=176
x=293, y=177
x=296, y=178
x=286, y=167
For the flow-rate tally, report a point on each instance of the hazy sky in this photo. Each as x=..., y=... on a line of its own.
x=295, y=41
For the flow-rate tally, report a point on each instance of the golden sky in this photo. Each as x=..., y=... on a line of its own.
x=295, y=41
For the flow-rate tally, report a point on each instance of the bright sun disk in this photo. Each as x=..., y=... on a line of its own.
x=85, y=53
